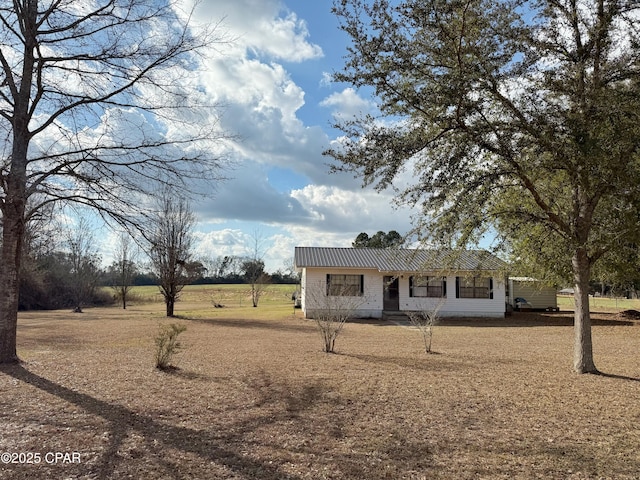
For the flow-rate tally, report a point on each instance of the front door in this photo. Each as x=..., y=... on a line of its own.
x=391, y=297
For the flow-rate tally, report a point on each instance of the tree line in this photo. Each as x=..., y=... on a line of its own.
x=61, y=279
x=62, y=268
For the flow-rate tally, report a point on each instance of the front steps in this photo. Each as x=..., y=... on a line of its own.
x=394, y=316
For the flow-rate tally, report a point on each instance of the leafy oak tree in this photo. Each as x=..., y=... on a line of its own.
x=519, y=116
x=99, y=103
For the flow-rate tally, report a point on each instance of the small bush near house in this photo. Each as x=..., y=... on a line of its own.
x=424, y=320
x=167, y=344
x=330, y=323
x=332, y=312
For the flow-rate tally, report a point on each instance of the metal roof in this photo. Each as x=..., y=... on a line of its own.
x=396, y=259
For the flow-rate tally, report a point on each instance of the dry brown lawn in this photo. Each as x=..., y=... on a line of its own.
x=255, y=398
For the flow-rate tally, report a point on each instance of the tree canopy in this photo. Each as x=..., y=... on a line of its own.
x=379, y=240
x=522, y=117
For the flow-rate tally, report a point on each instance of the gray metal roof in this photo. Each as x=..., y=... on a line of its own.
x=396, y=259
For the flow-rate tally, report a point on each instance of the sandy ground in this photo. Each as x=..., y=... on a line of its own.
x=254, y=397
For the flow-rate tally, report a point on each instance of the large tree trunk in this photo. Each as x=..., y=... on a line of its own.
x=9, y=281
x=583, y=346
x=15, y=199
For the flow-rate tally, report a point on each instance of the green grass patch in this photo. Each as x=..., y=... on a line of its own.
x=601, y=304
x=199, y=301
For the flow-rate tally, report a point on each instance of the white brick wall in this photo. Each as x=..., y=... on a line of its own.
x=370, y=304
x=457, y=307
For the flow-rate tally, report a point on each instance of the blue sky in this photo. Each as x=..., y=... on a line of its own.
x=274, y=80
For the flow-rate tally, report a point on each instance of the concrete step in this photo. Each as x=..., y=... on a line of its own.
x=394, y=316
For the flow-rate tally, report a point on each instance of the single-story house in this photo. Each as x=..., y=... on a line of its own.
x=373, y=280
x=538, y=295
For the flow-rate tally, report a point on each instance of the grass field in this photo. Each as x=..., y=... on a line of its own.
x=602, y=304
x=256, y=398
x=198, y=300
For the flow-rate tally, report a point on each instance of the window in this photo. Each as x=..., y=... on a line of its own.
x=474, y=287
x=428, y=287
x=345, y=285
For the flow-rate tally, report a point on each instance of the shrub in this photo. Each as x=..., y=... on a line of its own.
x=331, y=312
x=330, y=323
x=167, y=344
x=424, y=320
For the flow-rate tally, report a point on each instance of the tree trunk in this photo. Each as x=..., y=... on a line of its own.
x=9, y=279
x=170, y=304
x=15, y=196
x=583, y=346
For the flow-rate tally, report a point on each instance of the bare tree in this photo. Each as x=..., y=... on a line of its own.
x=99, y=103
x=426, y=318
x=124, y=267
x=84, y=262
x=170, y=244
x=331, y=309
x=253, y=268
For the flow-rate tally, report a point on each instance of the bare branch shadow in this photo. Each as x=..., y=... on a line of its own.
x=122, y=420
x=241, y=323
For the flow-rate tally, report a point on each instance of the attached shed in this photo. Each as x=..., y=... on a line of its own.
x=539, y=295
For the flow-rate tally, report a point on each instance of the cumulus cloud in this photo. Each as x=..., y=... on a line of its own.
x=263, y=27
x=346, y=104
x=337, y=210
x=227, y=241
x=256, y=80
x=249, y=196
x=326, y=79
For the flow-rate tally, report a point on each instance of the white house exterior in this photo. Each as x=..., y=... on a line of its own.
x=469, y=283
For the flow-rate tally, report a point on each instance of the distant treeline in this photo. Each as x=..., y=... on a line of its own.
x=61, y=280
x=277, y=277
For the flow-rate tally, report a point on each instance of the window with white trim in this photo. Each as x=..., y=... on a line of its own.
x=339, y=285
x=426, y=286
x=474, y=287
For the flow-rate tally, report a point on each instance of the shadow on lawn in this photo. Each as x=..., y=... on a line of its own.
x=519, y=319
x=252, y=324
x=311, y=415
x=531, y=320
x=427, y=362
x=618, y=377
x=122, y=421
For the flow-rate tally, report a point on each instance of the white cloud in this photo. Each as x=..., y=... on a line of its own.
x=263, y=27
x=232, y=242
x=249, y=196
x=263, y=108
x=347, y=103
x=337, y=210
x=280, y=252
x=326, y=80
